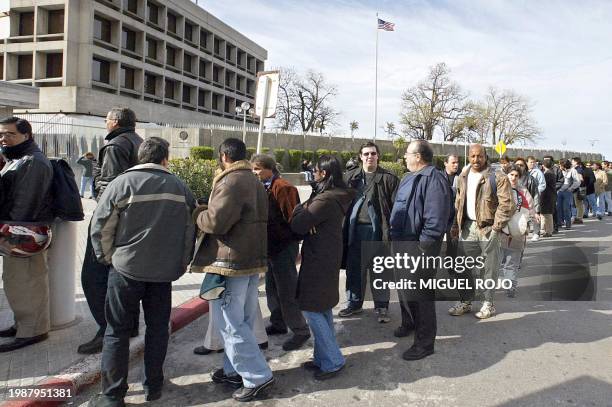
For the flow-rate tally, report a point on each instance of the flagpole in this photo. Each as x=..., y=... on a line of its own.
x=376, y=83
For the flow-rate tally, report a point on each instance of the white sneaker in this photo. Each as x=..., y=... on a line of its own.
x=535, y=237
x=460, y=308
x=382, y=315
x=487, y=310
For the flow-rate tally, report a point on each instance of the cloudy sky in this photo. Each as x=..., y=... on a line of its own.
x=557, y=53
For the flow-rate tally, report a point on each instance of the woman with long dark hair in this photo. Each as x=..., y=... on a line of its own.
x=319, y=220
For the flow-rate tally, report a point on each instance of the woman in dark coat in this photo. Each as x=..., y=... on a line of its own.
x=548, y=199
x=320, y=220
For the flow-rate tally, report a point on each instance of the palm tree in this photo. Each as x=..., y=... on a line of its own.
x=354, y=125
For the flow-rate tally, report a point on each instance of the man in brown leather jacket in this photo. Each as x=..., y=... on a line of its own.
x=484, y=205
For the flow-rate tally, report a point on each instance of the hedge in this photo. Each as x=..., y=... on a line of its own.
x=196, y=173
x=250, y=152
x=387, y=157
x=201, y=153
x=295, y=159
x=398, y=169
x=323, y=151
x=346, y=155
x=279, y=154
x=308, y=155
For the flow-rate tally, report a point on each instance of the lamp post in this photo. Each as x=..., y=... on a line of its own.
x=244, y=109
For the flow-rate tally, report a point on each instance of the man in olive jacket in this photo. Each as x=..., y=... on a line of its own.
x=366, y=221
x=235, y=246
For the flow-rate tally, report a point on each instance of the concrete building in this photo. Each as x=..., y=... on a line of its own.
x=169, y=60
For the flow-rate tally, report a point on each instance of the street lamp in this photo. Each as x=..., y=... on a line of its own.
x=244, y=109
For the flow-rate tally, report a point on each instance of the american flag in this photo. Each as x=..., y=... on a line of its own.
x=385, y=25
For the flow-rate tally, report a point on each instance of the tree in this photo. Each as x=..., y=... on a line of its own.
x=285, y=117
x=354, y=125
x=426, y=106
x=509, y=117
x=390, y=130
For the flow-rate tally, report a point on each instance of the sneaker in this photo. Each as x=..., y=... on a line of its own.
x=486, y=311
x=321, y=375
x=220, y=377
x=460, y=308
x=249, y=393
x=535, y=237
x=382, y=315
x=295, y=342
x=348, y=311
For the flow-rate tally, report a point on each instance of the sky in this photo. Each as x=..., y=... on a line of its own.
x=558, y=54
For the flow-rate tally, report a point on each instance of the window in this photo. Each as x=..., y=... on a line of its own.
x=150, y=84
x=26, y=23
x=128, y=39
x=169, y=94
x=186, y=94
x=131, y=6
x=216, y=74
x=188, y=32
x=54, y=65
x=204, y=38
x=102, y=29
x=101, y=70
x=153, y=13
x=24, y=66
x=171, y=23
x=56, y=22
x=215, y=101
x=170, y=56
x=187, y=63
x=151, y=48
x=127, y=77
x=201, y=98
x=217, y=46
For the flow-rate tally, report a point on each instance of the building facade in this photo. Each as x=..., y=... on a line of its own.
x=168, y=60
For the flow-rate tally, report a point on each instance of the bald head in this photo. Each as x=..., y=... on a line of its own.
x=478, y=157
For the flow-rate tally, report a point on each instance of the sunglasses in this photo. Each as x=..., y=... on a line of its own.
x=367, y=154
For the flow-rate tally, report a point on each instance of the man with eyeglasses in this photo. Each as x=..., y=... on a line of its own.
x=118, y=154
x=367, y=221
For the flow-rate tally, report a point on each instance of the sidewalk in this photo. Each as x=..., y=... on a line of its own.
x=34, y=363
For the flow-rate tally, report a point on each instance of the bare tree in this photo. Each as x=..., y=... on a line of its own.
x=285, y=117
x=509, y=117
x=313, y=94
x=426, y=106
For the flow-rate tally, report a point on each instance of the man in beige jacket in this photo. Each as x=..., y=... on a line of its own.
x=235, y=246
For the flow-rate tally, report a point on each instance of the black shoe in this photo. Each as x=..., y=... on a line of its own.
x=8, y=333
x=310, y=365
x=220, y=377
x=585, y=216
x=321, y=375
x=248, y=394
x=91, y=347
x=19, y=343
x=203, y=350
x=263, y=346
x=599, y=217
x=134, y=333
x=348, y=311
x=153, y=395
x=295, y=342
x=402, y=331
x=417, y=352
x=274, y=330
x=100, y=400
x=555, y=231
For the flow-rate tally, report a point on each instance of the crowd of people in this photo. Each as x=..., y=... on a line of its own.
x=148, y=229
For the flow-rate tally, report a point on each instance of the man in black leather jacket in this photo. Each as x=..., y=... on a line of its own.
x=118, y=154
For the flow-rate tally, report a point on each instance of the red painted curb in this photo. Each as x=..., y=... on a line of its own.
x=180, y=317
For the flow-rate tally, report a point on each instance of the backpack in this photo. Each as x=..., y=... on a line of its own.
x=65, y=197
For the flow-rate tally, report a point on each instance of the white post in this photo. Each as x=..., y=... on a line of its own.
x=376, y=84
x=263, y=113
x=61, y=258
x=244, y=127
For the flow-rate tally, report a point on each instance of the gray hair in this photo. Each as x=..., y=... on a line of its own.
x=125, y=117
x=266, y=161
x=153, y=150
x=424, y=149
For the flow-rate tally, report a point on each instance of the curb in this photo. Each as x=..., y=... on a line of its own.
x=87, y=371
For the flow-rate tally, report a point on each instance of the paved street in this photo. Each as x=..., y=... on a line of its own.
x=531, y=354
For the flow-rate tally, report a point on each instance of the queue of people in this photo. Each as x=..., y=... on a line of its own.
x=148, y=229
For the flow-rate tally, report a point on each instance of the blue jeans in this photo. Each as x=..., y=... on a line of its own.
x=592, y=203
x=327, y=355
x=564, y=213
x=600, y=204
x=84, y=182
x=235, y=314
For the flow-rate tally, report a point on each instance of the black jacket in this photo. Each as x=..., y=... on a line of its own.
x=118, y=155
x=25, y=185
x=588, y=180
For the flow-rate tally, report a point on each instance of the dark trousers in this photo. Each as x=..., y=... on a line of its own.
x=94, y=280
x=425, y=324
x=122, y=304
x=357, y=275
x=281, y=284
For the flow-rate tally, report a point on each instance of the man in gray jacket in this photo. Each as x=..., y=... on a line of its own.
x=142, y=229
x=118, y=154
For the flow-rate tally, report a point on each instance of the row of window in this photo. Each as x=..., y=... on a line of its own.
x=21, y=66
x=51, y=23
x=155, y=86
x=130, y=39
